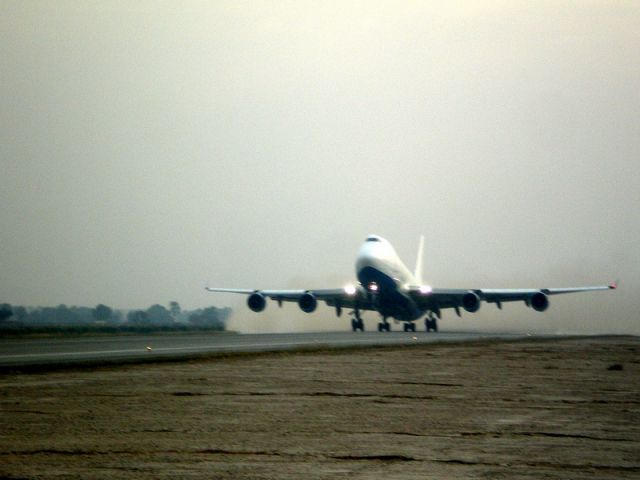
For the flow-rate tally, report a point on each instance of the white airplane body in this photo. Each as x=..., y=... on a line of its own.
x=387, y=286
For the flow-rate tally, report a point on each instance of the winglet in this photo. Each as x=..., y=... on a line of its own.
x=614, y=285
x=418, y=271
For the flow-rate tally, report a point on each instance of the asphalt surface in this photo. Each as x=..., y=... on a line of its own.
x=19, y=352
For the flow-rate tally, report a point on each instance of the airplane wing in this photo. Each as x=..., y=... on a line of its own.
x=437, y=299
x=470, y=300
x=348, y=297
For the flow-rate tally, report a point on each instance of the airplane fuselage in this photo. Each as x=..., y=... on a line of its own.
x=386, y=279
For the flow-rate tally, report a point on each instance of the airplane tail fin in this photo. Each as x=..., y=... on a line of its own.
x=418, y=271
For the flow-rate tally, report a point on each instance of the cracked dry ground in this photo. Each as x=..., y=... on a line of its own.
x=527, y=409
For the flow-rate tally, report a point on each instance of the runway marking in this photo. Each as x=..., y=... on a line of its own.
x=238, y=346
x=204, y=347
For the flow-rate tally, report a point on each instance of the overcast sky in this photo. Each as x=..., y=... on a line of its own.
x=147, y=148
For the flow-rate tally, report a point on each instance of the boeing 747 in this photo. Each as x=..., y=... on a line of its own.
x=387, y=286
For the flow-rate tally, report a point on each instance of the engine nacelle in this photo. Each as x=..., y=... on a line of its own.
x=308, y=302
x=257, y=302
x=539, y=302
x=471, y=302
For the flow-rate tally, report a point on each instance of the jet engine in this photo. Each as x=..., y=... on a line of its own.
x=257, y=302
x=308, y=302
x=539, y=302
x=471, y=302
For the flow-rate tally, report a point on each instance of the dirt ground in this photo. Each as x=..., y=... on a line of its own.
x=565, y=408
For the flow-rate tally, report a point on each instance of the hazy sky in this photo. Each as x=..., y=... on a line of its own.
x=149, y=147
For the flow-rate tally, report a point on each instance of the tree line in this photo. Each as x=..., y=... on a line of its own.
x=104, y=318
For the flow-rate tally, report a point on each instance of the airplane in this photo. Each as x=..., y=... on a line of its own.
x=387, y=286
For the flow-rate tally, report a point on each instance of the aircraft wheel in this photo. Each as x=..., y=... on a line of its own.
x=380, y=327
x=387, y=327
x=413, y=327
x=431, y=324
x=361, y=325
x=406, y=327
x=354, y=325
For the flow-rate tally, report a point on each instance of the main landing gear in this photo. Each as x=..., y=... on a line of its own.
x=431, y=323
x=384, y=325
x=356, y=322
x=409, y=327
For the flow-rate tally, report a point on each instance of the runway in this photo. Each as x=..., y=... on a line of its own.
x=19, y=352
x=560, y=407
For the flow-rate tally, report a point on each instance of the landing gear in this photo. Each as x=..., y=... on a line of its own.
x=356, y=322
x=409, y=327
x=431, y=323
x=384, y=326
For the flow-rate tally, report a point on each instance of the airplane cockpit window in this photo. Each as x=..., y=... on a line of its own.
x=373, y=239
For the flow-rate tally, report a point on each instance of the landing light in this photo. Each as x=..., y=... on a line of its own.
x=373, y=286
x=424, y=289
x=350, y=289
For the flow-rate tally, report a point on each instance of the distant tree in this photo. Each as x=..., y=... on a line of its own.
x=64, y=315
x=42, y=316
x=20, y=313
x=5, y=311
x=49, y=315
x=116, y=316
x=52, y=315
x=84, y=315
x=102, y=313
x=210, y=317
x=60, y=313
x=159, y=315
x=174, y=308
x=138, y=317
